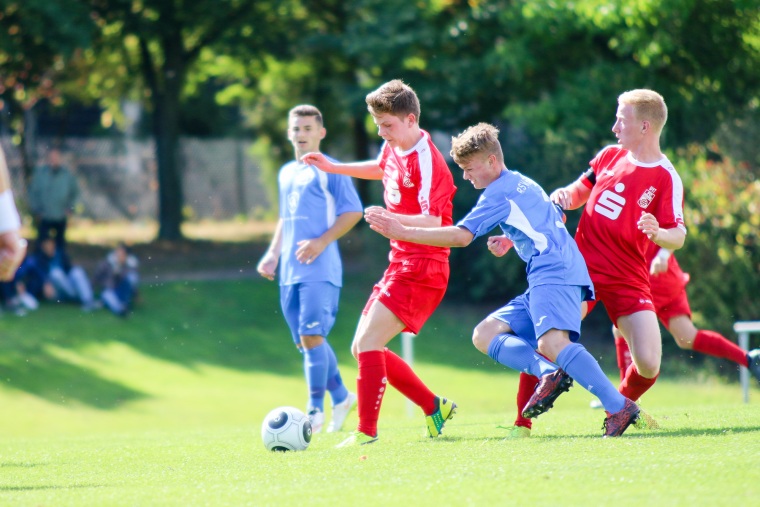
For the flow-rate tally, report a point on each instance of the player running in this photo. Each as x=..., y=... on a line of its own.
x=12, y=246
x=419, y=190
x=547, y=317
x=316, y=209
x=633, y=197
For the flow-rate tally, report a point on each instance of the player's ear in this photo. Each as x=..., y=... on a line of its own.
x=322, y=133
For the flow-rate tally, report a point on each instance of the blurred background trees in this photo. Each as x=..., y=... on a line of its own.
x=546, y=72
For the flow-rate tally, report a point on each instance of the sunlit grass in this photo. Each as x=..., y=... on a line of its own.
x=164, y=408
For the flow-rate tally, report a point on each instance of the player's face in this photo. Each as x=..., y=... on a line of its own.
x=480, y=170
x=305, y=133
x=627, y=128
x=396, y=131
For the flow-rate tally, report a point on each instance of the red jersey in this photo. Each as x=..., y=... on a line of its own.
x=417, y=182
x=623, y=188
x=666, y=286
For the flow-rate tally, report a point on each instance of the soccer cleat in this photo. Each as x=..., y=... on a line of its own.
x=753, y=363
x=357, y=438
x=615, y=424
x=549, y=387
x=340, y=411
x=435, y=421
x=517, y=432
x=595, y=403
x=317, y=420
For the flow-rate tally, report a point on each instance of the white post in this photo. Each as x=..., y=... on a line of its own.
x=744, y=329
x=407, y=354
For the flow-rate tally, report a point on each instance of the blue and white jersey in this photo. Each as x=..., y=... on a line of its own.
x=526, y=215
x=310, y=201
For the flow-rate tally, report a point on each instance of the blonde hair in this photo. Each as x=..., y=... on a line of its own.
x=482, y=138
x=647, y=105
x=394, y=97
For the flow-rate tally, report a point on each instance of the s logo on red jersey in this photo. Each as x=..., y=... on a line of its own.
x=611, y=204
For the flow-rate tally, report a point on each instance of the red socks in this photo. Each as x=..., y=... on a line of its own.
x=370, y=387
x=715, y=344
x=525, y=390
x=623, y=354
x=377, y=369
x=633, y=386
x=402, y=377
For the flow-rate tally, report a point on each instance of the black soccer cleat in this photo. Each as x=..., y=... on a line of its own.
x=753, y=363
x=549, y=388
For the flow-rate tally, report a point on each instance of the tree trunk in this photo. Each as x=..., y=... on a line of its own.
x=166, y=131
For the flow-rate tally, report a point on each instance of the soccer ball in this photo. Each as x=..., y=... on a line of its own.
x=286, y=429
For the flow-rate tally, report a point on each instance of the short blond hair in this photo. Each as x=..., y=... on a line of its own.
x=647, y=105
x=482, y=138
x=394, y=97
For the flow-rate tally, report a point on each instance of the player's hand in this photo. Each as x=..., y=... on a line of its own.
x=563, y=197
x=499, y=245
x=309, y=249
x=267, y=266
x=318, y=160
x=658, y=265
x=384, y=222
x=648, y=225
x=12, y=252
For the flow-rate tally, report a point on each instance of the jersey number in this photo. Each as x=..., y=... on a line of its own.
x=610, y=204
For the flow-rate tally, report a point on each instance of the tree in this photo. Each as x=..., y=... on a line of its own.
x=37, y=41
x=160, y=43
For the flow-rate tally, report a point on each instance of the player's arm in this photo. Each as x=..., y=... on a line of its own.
x=660, y=262
x=391, y=227
x=309, y=249
x=407, y=220
x=672, y=239
x=499, y=245
x=367, y=170
x=574, y=195
x=268, y=264
x=12, y=246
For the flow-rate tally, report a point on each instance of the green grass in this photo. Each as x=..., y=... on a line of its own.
x=165, y=408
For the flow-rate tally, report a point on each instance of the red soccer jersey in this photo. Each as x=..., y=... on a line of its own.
x=417, y=181
x=668, y=285
x=623, y=188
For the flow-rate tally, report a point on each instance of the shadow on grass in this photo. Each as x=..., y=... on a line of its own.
x=43, y=488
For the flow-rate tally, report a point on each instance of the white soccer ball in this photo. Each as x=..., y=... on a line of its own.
x=286, y=429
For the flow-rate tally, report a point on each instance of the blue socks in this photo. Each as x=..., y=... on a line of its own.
x=585, y=370
x=511, y=351
x=321, y=371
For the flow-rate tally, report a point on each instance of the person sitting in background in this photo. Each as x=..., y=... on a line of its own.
x=117, y=277
x=49, y=274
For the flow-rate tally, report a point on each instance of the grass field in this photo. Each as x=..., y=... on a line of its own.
x=165, y=408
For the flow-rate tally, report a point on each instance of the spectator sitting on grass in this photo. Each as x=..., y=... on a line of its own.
x=48, y=274
x=117, y=277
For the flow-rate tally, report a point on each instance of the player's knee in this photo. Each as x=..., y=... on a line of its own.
x=480, y=340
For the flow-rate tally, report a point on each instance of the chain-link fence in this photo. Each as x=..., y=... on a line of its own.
x=118, y=178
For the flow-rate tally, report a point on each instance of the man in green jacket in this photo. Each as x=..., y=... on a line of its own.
x=53, y=193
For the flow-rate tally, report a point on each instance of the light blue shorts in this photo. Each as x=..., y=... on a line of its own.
x=309, y=308
x=544, y=307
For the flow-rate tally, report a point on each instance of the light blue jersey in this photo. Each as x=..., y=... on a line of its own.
x=528, y=218
x=310, y=201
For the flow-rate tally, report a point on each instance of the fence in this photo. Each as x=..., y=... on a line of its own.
x=118, y=178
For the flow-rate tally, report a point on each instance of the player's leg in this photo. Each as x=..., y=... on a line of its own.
x=643, y=335
x=318, y=306
x=622, y=352
x=376, y=328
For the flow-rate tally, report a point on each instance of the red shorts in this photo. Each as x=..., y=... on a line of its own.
x=679, y=305
x=620, y=300
x=411, y=289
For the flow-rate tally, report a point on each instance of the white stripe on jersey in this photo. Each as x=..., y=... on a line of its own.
x=329, y=199
x=426, y=175
x=677, y=192
x=519, y=221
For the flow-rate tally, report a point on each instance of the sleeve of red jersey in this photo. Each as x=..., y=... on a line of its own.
x=669, y=210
